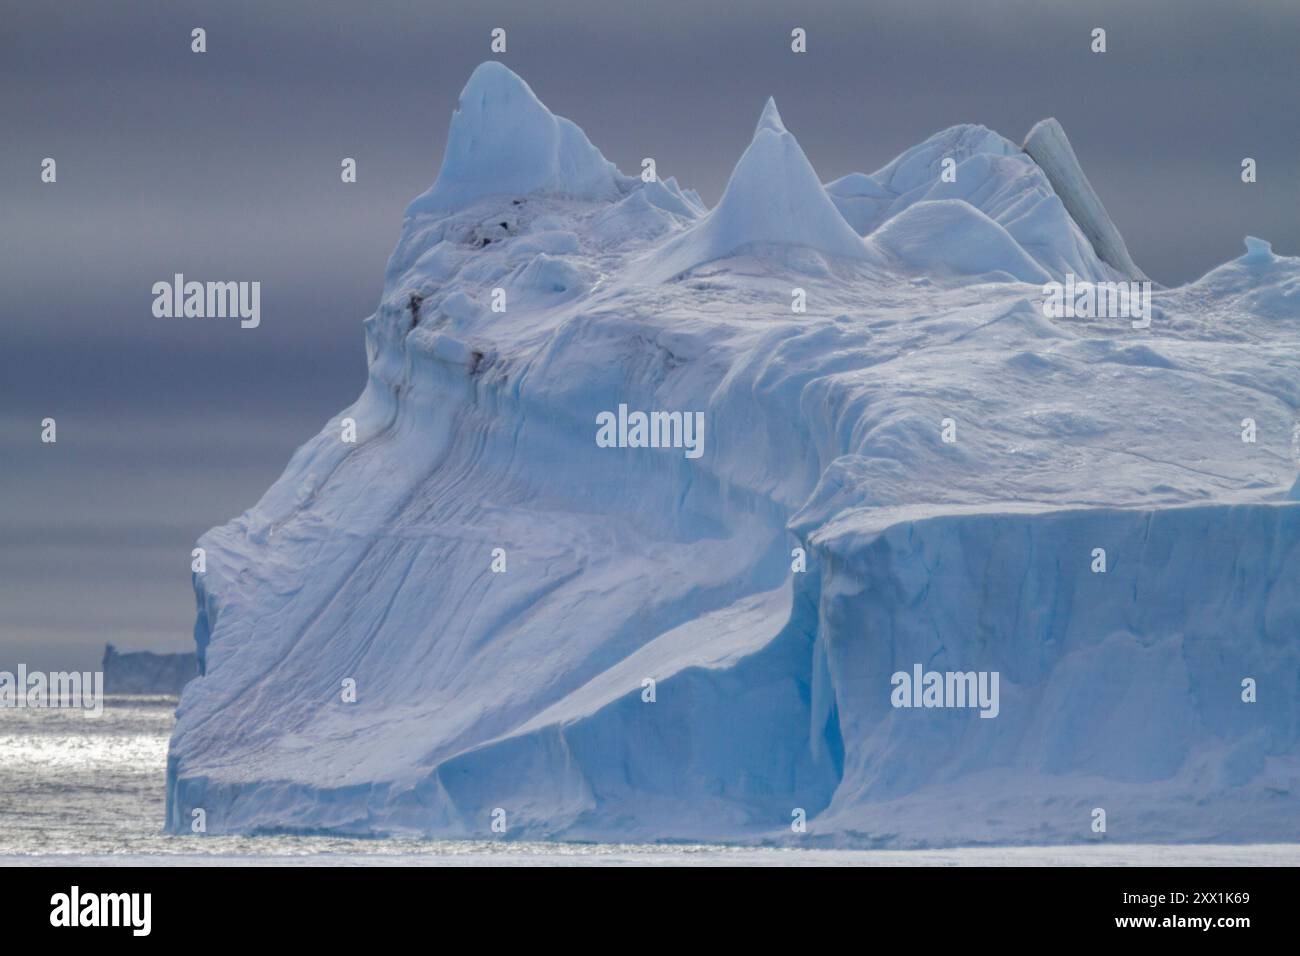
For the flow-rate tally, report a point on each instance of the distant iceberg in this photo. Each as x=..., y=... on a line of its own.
x=147, y=672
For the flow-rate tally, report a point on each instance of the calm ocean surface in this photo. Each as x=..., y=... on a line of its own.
x=79, y=790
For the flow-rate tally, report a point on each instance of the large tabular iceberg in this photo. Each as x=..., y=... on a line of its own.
x=479, y=617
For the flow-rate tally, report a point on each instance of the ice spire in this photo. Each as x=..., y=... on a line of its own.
x=503, y=140
x=773, y=196
x=771, y=118
x=1049, y=147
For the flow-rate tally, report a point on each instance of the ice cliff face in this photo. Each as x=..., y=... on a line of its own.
x=476, y=614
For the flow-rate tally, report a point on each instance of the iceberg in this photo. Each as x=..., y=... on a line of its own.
x=477, y=620
x=147, y=672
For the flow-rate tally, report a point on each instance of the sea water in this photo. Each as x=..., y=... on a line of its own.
x=74, y=790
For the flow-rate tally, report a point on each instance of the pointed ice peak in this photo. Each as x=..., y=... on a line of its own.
x=773, y=197
x=1049, y=147
x=503, y=140
x=771, y=119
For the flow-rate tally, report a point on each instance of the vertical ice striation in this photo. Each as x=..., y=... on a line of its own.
x=1049, y=147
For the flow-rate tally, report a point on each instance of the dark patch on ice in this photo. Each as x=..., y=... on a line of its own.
x=413, y=303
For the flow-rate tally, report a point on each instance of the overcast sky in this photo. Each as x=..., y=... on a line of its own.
x=225, y=165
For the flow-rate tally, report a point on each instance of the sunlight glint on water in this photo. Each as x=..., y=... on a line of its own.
x=72, y=786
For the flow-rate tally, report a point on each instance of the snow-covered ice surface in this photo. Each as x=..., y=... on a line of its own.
x=522, y=690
